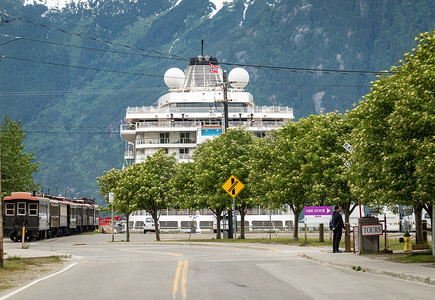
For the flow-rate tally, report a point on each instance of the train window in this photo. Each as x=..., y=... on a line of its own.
x=10, y=209
x=21, y=208
x=33, y=209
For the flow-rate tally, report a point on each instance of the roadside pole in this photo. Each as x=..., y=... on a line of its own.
x=235, y=219
x=225, y=102
x=113, y=226
x=233, y=186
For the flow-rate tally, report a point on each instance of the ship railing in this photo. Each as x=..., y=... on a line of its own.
x=167, y=124
x=181, y=141
x=126, y=127
x=211, y=109
x=128, y=155
x=183, y=156
x=192, y=124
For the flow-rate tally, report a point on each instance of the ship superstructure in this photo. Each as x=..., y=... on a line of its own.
x=192, y=112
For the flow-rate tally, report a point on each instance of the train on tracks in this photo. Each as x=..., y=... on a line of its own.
x=41, y=216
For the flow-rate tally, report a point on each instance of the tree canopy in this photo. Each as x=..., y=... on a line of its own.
x=393, y=158
x=17, y=166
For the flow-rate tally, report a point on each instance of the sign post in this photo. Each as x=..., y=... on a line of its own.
x=111, y=198
x=233, y=186
x=317, y=214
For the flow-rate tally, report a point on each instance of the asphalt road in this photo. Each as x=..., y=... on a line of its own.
x=142, y=269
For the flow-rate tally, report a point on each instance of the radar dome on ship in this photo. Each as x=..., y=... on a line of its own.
x=174, y=78
x=240, y=77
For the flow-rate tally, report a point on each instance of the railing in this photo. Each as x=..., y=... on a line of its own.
x=179, y=141
x=183, y=156
x=128, y=155
x=172, y=110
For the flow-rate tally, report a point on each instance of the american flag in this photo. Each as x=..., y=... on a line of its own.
x=214, y=69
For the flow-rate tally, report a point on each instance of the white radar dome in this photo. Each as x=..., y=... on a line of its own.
x=240, y=76
x=174, y=78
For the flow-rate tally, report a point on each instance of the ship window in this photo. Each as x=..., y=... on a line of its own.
x=184, y=151
x=184, y=137
x=10, y=209
x=21, y=209
x=260, y=134
x=164, y=138
x=33, y=209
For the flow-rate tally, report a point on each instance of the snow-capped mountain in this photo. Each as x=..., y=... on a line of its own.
x=65, y=77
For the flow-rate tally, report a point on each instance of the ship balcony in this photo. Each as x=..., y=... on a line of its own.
x=147, y=111
x=171, y=125
x=181, y=157
x=128, y=155
x=184, y=157
x=128, y=132
x=165, y=142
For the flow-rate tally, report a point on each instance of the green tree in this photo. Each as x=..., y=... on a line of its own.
x=149, y=185
x=17, y=166
x=393, y=158
x=184, y=189
x=306, y=164
x=215, y=161
x=122, y=203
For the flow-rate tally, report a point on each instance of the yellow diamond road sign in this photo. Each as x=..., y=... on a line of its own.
x=233, y=186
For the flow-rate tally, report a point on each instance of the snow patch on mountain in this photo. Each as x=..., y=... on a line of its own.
x=317, y=98
x=219, y=4
x=246, y=4
x=59, y=5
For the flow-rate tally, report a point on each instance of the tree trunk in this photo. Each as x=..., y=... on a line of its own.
x=347, y=211
x=418, y=210
x=242, y=211
x=156, y=225
x=127, y=232
x=218, y=226
x=321, y=233
x=296, y=212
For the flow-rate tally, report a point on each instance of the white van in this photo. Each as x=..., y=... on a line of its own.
x=148, y=225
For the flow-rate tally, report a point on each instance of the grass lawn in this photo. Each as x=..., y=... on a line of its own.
x=16, y=269
x=421, y=257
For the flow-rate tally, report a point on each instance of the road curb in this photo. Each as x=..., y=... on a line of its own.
x=409, y=277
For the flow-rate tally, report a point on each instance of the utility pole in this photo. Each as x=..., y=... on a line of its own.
x=1, y=211
x=225, y=84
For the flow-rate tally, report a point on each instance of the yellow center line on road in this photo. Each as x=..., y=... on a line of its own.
x=183, y=280
x=276, y=250
x=152, y=252
x=177, y=276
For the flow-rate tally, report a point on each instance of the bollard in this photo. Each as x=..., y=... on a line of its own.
x=407, y=241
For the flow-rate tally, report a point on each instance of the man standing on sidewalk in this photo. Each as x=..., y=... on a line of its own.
x=337, y=220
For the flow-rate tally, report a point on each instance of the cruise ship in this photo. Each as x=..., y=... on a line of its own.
x=188, y=115
x=192, y=112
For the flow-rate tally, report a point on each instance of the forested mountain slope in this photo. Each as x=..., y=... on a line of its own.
x=72, y=114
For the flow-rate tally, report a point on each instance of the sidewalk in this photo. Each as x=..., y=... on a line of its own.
x=32, y=253
x=408, y=271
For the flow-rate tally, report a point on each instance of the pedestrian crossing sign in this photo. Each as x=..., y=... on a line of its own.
x=233, y=186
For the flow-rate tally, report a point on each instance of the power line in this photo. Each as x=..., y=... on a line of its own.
x=71, y=132
x=90, y=37
x=81, y=67
x=56, y=93
x=18, y=38
x=177, y=57
x=120, y=72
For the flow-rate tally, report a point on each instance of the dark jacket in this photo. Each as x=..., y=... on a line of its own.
x=338, y=220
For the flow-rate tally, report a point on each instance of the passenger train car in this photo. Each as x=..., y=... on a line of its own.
x=45, y=216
